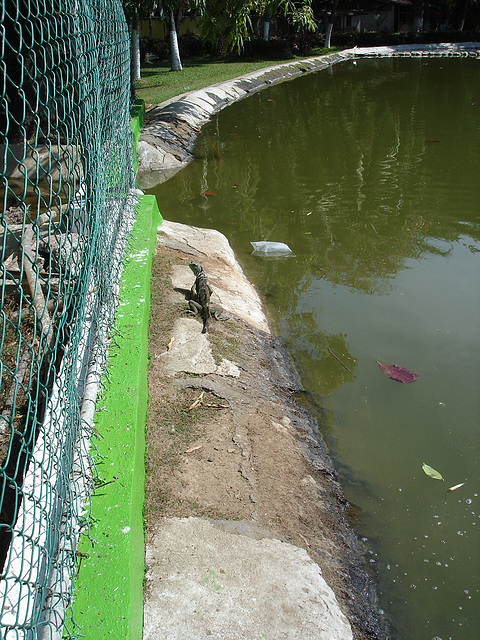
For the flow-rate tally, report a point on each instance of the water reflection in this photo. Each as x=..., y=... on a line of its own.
x=359, y=198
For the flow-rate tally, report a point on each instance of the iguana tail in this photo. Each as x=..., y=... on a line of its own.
x=206, y=319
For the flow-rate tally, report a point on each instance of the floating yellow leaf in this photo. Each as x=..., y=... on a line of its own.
x=456, y=486
x=430, y=471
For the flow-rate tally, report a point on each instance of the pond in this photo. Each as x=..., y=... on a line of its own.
x=369, y=171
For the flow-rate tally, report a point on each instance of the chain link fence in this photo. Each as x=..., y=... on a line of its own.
x=67, y=206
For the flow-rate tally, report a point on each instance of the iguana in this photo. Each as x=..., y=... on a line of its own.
x=200, y=295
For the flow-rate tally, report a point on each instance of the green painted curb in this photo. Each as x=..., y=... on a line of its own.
x=108, y=596
x=137, y=115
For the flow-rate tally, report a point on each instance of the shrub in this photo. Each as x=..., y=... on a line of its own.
x=192, y=45
x=378, y=38
x=159, y=48
x=302, y=43
x=273, y=49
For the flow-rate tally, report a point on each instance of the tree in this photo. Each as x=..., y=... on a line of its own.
x=171, y=12
x=418, y=14
x=168, y=10
x=136, y=62
x=331, y=18
x=134, y=10
x=266, y=25
x=454, y=12
x=230, y=20
x=463, y=15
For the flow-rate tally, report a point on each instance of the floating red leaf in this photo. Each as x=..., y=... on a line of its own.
x=209, y=193
x=399, y=374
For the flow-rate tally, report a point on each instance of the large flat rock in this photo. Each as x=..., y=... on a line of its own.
x=210, y=583
x=231, y=288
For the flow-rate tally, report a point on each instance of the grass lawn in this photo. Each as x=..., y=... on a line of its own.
x=159, y=83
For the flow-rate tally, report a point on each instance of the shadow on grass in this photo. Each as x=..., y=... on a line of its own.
x=159, y=83
x=159, y=66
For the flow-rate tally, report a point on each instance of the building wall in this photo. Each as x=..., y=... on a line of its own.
x=157, y=29
x=368, y=22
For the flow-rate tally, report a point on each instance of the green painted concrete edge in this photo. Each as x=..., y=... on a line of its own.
x=137, y=115
x=108, y=590
x=108, y=594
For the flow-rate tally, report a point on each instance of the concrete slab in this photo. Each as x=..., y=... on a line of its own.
x=190, y=351
x=209, y=583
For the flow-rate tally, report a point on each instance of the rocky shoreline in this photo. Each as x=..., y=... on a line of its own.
x=252, y=495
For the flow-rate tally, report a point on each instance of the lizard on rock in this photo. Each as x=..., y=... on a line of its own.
x=200, y=292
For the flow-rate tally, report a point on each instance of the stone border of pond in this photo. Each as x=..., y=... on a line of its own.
x=171, y=128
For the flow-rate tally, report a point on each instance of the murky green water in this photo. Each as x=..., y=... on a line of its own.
x=371, y=173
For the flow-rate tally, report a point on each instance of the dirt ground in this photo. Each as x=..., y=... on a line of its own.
x=227, y=440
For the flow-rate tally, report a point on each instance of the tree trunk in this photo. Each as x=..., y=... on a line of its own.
x=417, y=15
x=331, y=18
x=176, y=62
x=426, y=17
x=136, y=48
x=266, y=26
x=464, y=15
x=328, y=36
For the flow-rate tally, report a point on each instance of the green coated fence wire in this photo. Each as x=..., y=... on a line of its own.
x=66, y=207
